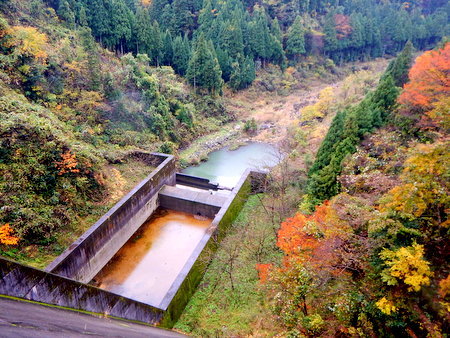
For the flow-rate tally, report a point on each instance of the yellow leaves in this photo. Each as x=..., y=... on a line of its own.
x=320, y=108
x=6, y=236
x=428, y=159
x=407, y=265
x=117, y=184
x=441, y=112
x=386, y=306
x=74, y=66
x=424, y=180
x=146, y=3
x=4, y=28
x=290, y=71
x=444, y=287
x=88, y=101
x=407, y=198
x=67, y=164
x=29, y=42
x=24, y=69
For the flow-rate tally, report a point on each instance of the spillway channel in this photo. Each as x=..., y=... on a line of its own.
x=147, y=265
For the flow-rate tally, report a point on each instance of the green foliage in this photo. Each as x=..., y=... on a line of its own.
x=84, y=109
x=41, y=198
x=399, y=67
x=204, y=69
x=295, y=44
x=167, y=148
x=217, y=308
x=347, y=128
x=348, y=32
x=250, y=126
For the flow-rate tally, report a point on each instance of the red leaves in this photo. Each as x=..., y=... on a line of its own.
x=263, y=271
x=343, y=27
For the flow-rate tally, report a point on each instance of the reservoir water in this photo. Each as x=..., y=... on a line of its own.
x=226, y=166
x=147, y=265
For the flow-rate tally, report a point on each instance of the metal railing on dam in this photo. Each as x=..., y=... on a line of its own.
x=65, y=281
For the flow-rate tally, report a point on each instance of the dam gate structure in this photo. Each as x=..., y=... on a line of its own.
x=83, y=276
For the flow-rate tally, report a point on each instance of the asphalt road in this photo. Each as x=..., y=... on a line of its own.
x=23, y=319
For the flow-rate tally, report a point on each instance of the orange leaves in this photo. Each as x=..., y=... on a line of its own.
x=326, y=242
x=316, y=240
x=146, y=3
x=67, y=164
x=444, y=287
x=291, y=236
x=429, y=79
x=263, y=271
x=301, y=233
x=6, y=236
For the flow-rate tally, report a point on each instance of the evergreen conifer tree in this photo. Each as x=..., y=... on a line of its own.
x=66, y=13
x=204, y=69
x=295, y=44
x=181, y=55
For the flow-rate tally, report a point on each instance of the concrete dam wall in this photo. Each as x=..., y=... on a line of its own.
x=85, y=257
x=18, y=280
x=65, y=280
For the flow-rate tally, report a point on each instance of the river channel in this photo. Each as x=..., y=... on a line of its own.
x=226, y=166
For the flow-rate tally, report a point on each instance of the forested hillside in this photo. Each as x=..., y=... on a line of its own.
x=373, y=258
x=207, y=41
x=367, y=254
x=75, y=118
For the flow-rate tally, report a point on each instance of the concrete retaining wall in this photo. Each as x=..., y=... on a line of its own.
x=188, y=206
x=187, y=281
x=90, y=253
x=87, y=256
x=21, y=281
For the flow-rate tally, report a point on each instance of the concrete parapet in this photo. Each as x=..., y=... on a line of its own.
x=21, y=281
x=63, y=282
x=90, y=253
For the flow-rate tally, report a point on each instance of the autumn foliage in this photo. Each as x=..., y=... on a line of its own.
x=343, y=27
x=29, y=42
x=67, y=164
x=374, y=259
x=429, y=87
x=429, y=79
x=6, y=235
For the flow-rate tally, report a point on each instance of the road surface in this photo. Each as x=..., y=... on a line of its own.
x=24, y=319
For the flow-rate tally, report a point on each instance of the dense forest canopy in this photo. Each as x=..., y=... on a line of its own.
x=247, y=34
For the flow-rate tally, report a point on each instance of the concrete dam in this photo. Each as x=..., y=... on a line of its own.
x=145, y=257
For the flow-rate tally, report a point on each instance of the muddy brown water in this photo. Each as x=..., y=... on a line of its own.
x=147, y=265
